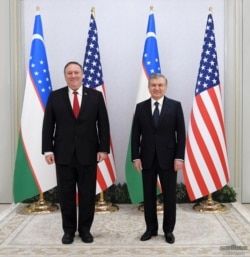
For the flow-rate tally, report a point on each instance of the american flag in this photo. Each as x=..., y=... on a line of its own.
x=150, y=65
x=206, y=164
x=32, y=175
x=93, y=78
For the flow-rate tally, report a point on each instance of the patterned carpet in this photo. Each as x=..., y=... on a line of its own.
x=118, y=234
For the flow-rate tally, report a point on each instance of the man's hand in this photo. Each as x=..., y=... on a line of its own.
x=137, y=165
x=178, y=165
x=50, y=158
x=101, y=156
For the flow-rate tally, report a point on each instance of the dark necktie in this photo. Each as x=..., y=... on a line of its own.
x=156, y=113
x=76, y=107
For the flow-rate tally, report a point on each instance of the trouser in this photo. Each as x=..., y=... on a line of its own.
x=168, y=180
x=82, y=177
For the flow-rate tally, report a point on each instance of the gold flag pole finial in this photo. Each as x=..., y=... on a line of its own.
x=93, y=11
x=37, y=8
x=151, y=8
x=211, y=9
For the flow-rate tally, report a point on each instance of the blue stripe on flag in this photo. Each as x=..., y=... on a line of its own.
x=38, y=64
x=150, y=57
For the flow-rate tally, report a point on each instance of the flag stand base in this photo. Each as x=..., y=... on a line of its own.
x=40, y=206
x=210, y=206
x=103, y=206
x=159, y=207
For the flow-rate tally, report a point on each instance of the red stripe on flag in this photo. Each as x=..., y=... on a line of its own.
x=206, y=140
x=217, y=107
x=93, y=78
x=188, y=185
x=192, y=159
x=218, y=144
x=158, y=183
x=30, y=164
x=203, y=148
x=110, y=169
x=100, y=179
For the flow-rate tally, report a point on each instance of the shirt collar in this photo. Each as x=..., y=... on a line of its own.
x=160, y=101
x=79, y=90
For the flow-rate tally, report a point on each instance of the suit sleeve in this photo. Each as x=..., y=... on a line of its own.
x=103, y=126
x=135, y=136
x=180, y=133
x=48, y=127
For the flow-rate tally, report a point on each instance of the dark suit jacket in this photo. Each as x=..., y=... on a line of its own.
x=63, y=133
x=167, y=140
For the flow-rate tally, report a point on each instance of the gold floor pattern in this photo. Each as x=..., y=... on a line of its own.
x=118, y=234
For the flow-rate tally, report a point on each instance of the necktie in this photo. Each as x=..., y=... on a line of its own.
x=156, y=113
x=76, y=107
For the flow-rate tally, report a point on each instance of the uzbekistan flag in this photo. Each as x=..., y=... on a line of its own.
x=150, y=65
x=32, y=175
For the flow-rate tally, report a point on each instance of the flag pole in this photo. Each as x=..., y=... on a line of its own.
x=215, y=163
x=103, y=206
x=41, y=206
x=159, y=204
x=209, y=206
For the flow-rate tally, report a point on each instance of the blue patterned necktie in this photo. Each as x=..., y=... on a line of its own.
x=156, y=114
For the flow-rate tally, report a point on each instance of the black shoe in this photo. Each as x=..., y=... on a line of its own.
x=87, y=237
x=67, y=238
x=147, y=235
x=170, y=238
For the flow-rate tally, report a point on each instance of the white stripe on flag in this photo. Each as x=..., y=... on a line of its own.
x=31, y=127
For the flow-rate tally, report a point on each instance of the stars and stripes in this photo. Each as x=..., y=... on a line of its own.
x=206, y=164
x=92, y=65
x=93, y=78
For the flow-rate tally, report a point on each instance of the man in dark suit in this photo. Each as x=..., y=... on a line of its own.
x=158, y=144
x=76, y=142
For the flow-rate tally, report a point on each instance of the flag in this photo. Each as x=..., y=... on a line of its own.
x=93, y=78
x=32, y=175
x=206, y=164
x=150, y=65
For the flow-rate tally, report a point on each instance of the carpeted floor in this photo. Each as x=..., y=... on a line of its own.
x=118, y=234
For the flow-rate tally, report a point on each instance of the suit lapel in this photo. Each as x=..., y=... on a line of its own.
x=84, y=102
x=164, y=109
x=148, y=110
x=66, y=100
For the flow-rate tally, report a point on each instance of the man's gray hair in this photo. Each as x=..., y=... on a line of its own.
x=157, y=75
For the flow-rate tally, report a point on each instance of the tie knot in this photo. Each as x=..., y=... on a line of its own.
x=156, y=104
x=75, y=92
